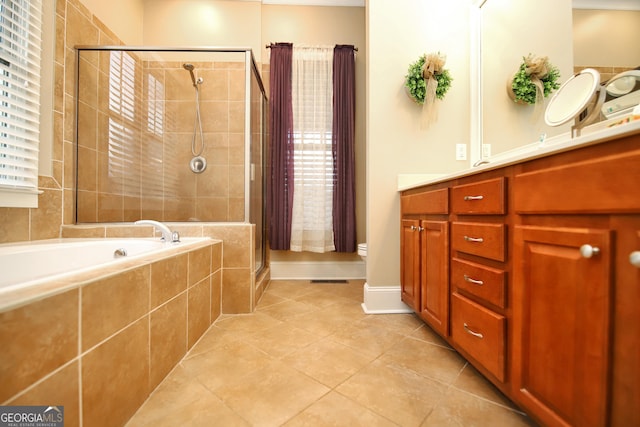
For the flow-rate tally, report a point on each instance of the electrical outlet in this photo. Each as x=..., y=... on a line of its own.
x=461, y=151
x=486, y=150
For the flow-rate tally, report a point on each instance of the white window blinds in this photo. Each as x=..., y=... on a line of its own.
x=20, y=48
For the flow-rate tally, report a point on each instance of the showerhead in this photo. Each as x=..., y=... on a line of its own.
x=190, y=68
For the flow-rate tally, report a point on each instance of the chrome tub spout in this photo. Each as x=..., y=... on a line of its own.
x=167, y=234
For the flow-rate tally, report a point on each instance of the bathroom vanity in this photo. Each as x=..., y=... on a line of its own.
x=529, y=267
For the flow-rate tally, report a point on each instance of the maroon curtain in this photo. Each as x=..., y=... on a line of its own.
x=280, y=188
x=344, y=108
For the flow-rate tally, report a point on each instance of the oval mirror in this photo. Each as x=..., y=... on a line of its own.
x=623, y=94
x=572, y=98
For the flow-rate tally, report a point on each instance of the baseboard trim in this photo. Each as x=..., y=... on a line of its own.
x=383, y=300
x=317, y=270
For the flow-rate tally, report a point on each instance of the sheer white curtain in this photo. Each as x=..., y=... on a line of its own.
x=312, y=92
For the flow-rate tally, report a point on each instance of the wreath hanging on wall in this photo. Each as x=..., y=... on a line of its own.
x=427, y=67
x=426, y=80
x=535, y=79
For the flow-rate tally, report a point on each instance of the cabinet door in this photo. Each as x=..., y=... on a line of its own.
x=626, y=348
x=434, y=288
x=561, y=321
x=410, y=263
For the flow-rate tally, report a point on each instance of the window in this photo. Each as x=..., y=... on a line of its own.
x=312, y=96
x=123, y=155
x=20, y=44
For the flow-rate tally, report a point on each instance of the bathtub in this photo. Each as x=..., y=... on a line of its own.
x=27, y=265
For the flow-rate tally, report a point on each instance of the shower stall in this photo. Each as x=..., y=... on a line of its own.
x=171, y=134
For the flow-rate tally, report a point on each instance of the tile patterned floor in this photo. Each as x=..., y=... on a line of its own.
x=309, y=356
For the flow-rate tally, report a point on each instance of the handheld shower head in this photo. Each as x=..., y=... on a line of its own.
x=190, y=68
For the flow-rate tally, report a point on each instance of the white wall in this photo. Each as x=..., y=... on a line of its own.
x=203, y=23
x=123, y=17
x=398, y=32
x=604, y=37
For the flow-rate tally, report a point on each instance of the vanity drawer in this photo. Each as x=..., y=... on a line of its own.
x=607, y=184
x=486, y=283
x=480, y=332
x=485, y=240
x=428, y=202
x=479, y=198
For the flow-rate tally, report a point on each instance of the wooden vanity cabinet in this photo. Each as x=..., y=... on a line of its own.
x=575, y=319
x=478, y=278
x=544, y=280
x=561, y=320
x=425, y=256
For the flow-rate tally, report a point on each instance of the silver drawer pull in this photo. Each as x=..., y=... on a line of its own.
x=473, y=239
x=414, y=228
x=474, y=281
x=473, y=197
x=470, y=332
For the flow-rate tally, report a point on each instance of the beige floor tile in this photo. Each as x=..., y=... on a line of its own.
x=335, y=409
x=217, y=367
x=215, y=338
x=425, y=359
x=320, y=323
x=281, y=340
x=462, y=409
x=267, y=299
x=270, y=396
x=247, y=323
x=319, y=298
x=372, y=340
x=404, y=324
x=309, y=356
x=288, y=310
x=427, y=334
x=394, y=392
x=471, y=381
x=182, y=401
x=328, y=361
x=289, y=289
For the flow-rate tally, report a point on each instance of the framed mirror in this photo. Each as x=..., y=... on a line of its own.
x=503, y=32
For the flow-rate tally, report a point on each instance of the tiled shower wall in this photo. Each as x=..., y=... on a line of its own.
x=135, y=135
x=75, y=25
x=605, y=72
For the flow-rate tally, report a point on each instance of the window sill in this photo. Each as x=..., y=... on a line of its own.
x=14, y=198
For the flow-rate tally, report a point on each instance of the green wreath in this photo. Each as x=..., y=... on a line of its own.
x=523, y=88
x=417, y=86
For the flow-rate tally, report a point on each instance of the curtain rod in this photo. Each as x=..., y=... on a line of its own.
x=269, y=47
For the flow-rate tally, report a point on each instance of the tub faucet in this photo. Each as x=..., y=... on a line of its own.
x=167, y=234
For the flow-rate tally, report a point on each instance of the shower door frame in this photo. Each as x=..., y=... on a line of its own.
x=250, y=68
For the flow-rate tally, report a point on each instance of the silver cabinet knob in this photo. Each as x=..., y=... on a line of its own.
x=588, y=251
x=634, y=258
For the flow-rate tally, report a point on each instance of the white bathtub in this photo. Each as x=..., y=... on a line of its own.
x=27, y=264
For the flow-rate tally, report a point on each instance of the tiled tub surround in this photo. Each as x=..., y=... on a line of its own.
x=240, y=289
x=107, y=339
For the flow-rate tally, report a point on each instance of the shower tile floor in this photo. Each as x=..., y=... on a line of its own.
x=309, y=356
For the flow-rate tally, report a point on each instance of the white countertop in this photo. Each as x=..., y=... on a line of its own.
x=591, y=135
